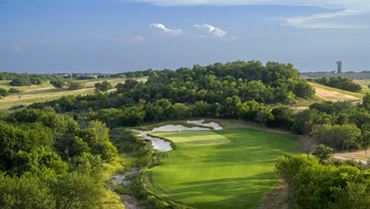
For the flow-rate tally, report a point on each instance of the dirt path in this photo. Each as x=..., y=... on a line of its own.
x=359, y=156
x=130, y=202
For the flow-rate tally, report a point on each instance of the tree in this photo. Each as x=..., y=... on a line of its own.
x=283, y=118
x=230, y=107
x=14, y=91
x=3, y=92
x=366, y=141
x=323, y=152
x=305, y=120
x=180, y=111
x=314, y=185
x=366, y=101
x=57, y=83
x=78, y=191
x=21, y=81
x=303, y=89
x=25, y=192
x=103, y=86
x=342, y=137
x=75, y=85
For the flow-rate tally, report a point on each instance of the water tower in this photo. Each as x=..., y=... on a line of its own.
x=339, y=66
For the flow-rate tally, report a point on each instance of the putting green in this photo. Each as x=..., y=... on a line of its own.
x=225, y=169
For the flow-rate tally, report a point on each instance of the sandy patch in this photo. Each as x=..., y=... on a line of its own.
x=171, y=128
x=359, y=156
x=212, y=125
x=165, y=146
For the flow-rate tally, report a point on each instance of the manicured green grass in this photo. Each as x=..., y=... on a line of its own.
x=231, y=168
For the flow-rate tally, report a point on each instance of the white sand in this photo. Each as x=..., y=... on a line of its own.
x=212, y=125
x=165, y=146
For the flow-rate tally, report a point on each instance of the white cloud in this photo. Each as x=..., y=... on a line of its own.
x=214, y=31
x=164, y=29
x=329, y=20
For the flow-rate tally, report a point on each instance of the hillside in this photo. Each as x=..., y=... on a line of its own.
x=333, y=94
x=46, y=92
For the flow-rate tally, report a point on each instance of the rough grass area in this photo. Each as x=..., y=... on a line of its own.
x=231, y=168
x=332, y=94
x=364, y=83
x=46, y=92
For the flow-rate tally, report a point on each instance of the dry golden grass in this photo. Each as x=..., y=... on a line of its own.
x=361, y=155
x=46, y=92
x=364, y=83
x=333, y=94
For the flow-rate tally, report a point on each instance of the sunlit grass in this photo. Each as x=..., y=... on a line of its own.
x=231, y=168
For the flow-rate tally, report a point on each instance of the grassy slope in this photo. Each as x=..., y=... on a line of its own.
x=364, y=83
x=231, y=168
x=334, y=94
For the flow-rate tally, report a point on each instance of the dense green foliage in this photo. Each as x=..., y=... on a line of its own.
x=4, y=92
x=232, y=90
x=341, y=125
x=315, y=185
x=58, y=83
x=14, y=91
x=241, y=90
x=48, y=160
x=340, y=83
x=74, y=85
x=103, y=86
x=25, y=80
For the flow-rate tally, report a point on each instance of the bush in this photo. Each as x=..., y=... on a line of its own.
x=14, y=91
x=342, y=137
x=3, y=92
x=316, y=186
x=57, y=83
x=103, y=86
x=323, y=152
x=74, y=85
x=21, y=81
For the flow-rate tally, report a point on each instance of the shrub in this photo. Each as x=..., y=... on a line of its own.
x=14, y=91
x=74, y=85
x=3, y=92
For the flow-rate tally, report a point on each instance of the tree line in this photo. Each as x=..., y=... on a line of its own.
x=340, y=83
x=241, y=90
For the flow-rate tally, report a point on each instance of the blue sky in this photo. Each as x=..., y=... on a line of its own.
x=45, y=36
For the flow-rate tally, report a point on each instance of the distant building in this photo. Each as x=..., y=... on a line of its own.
x=339, y=67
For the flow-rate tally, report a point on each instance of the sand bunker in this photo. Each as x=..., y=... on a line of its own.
x=170, y=128
x=212, y=125
x=165, y=146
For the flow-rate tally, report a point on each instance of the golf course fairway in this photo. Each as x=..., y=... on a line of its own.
x=230, y=168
